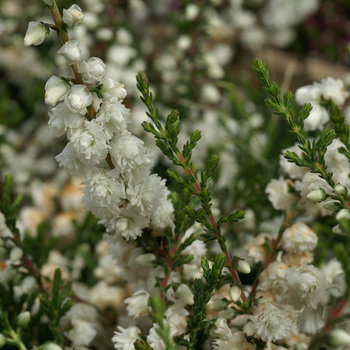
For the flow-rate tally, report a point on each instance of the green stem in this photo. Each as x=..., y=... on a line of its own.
x=17, y=339
x=56, y=15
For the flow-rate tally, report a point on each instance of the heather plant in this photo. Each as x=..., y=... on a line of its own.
x=164, y=247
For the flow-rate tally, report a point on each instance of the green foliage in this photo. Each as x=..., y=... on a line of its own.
x=8, y=206
x=203, y=288
x=56, y=306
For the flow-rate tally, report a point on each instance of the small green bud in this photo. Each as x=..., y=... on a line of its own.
x=339, y=337
x=343, y=214
x=243, y=266
x=340, y=190
x=51, y=346
x=317, y=195
x=2, y=340
x=235, y=293
x=23, y=319
x=332, y=205
x=338, y=230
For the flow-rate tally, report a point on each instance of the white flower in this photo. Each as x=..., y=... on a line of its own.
x=270, y=323
x=72, y=162
x=90, y=141
x=308, y=94
x=317, y=118
x=35, y=34
x=138, y=304
x=221, y=329
x=128, y=223
x=55, y=90
x=311, y=320
x=113, y=117
x=71, y=51
x=127, y=152
x=334, y=89
x=82, y=333
x=112, y=90
x=307, y=286
x=289, y=168
x=146, y=194
x=74, y=15
x=103, y=187
x=78, y=99
x=93, y=70
x=63, y=120
x=124, y=339
x=154, y=339
x=163, y=216
x=104, y=296
x=237, y=341
x=279, y=196
x=299, y=238
x=28, y=284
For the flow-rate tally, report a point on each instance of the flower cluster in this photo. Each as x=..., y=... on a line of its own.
x=114, y=164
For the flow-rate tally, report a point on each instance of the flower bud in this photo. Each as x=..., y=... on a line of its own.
x=338, y=337
x=317, y=195
x=93, y=70
x=70, y=50
x=28, y=284
x=229, y=313
x=16, y=254
x=243, y=266
x=74, y=15
x=55, y=90
x=146, y=260
x=331, y=205
x=222, y=330
x=2, y=340
x=78, y=99
x=235, y=293
x=23, y=319
x=338, y=230
x=217, y=305
x=48, y=2
x=249, y=329
x=185, y=294
x=35, y=34
x=112, y=90
x=191, y=12
x=340, y=190
x=51, y=346
x=343, y=214
x=8, y=274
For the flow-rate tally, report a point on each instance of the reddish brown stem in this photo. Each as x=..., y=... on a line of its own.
x=213, y=222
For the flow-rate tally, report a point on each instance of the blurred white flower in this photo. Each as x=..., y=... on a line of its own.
x=270, y=323
x=35, y=34
x=125, y=338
